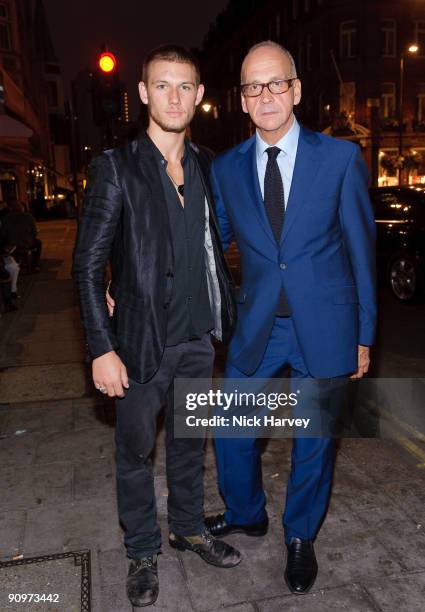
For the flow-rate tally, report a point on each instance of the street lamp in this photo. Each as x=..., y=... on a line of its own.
x=412, y=49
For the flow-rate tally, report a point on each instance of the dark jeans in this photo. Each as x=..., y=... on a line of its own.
x=135, y=439
x=21, y=253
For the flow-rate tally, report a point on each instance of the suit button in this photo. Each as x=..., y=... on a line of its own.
x=282, y=266
x=169, y=274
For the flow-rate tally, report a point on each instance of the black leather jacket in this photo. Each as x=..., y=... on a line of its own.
x=125, y=221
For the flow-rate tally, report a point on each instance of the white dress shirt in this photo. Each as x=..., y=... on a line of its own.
x=285, y=160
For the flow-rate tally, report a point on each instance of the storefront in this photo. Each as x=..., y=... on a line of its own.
x=412, y=165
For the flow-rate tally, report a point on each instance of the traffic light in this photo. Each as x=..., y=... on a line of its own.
x=107, y=62
x=106, y=90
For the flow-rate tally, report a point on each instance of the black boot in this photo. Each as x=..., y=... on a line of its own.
x=212, y=551
x=142, y=582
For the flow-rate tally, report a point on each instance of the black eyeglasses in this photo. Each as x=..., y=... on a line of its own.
x=253, y=90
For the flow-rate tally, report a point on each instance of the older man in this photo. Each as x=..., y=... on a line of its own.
x=297, y=204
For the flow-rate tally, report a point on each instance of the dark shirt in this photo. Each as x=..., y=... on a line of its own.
x=19, y=229
x=189, y=314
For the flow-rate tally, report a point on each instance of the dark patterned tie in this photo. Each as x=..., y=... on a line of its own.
x=274, y=200
x=274, y=203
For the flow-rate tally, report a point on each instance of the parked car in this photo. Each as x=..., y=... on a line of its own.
x=400, y=221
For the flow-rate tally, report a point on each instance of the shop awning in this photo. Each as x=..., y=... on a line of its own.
x=12, y=128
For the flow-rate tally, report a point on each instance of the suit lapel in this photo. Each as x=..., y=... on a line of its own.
x=307, y=164
x=249, y=174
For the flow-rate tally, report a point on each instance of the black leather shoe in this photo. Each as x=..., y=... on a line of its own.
x=212, y=551
x=218, y=526
x=142, y=582
x=301, y=566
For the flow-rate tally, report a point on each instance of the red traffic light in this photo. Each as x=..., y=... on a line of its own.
x=107, y=62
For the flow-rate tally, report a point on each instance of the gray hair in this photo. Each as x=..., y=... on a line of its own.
x=275, y=45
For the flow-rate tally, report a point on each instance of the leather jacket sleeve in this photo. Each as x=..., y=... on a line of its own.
x=96, y=233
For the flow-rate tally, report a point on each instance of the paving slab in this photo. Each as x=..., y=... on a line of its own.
x=398, y=534
x=12, y=528
x=41, y=324
x=408, y=496
x=213, y=501
x=405, y=592
x=161, y=495
x=82, y=445
x=351, y=598
x=383, y=468
x=357, y=489
x=95, y=478
x=90, y=524
x=113, y=598
x=18, y=450
x=43, y=382
x=52, y=351
x=113, y=566
x=35, y=485
x=90, y=413
x=348, y=551
x=46, y=417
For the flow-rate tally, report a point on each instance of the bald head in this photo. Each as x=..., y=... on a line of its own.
x=267, y=49
x=271, y=113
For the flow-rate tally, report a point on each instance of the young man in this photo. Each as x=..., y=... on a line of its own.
x=297, y=204
x=148, y=209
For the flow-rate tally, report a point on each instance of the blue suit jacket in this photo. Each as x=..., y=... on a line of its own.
x=325, y=260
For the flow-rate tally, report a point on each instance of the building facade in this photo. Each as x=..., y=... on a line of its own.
x=34, y=152
x=358, y=75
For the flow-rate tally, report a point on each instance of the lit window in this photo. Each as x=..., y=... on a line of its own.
x=420, y=113
x=420, y=37
x=388, y=38
x=387, y=100
x=348, y=39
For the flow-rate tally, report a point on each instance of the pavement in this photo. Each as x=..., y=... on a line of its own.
x=58, y=486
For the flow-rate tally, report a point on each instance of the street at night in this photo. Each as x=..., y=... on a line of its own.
x=192, y=199
x=57, y=467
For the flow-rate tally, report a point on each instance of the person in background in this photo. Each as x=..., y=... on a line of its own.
x=6, y=301
x=8, y=261
x=18, y=229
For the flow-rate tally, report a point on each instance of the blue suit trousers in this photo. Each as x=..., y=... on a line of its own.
x=239, y=459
